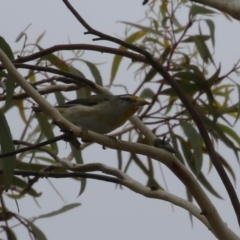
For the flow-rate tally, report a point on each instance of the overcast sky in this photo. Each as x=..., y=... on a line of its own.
x=108, y=212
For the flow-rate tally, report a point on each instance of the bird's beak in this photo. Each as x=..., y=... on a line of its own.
x=141, y=101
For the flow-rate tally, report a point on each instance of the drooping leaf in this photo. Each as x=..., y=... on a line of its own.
x=208, y=185
x=203, y=49
x=175, y=145
x=117, y=59
x=186, y=86
x=150, y=75
x=139, y=163
x=119, y=156
x=77, y=155
x=238, y=112
x=59, y=96
x=196, y=9
x=37, y=232
x=190, y=199
x=6, y=48
x=227, y=166
x=6, y=142
x=195, y=139
x=143, y=28
x=78, y=158
x=39, y=38
x=165, y=54
x=230, y=132
x=193, y=38
x=95, y=72
x=189, y=76
x=21, y=110
x=215, y=129
x=189, y=157
x=47, y=130
x=19, y=182
x=60, y=211
x=10, y=85
x=61, y=64
x=83, y=185
x=211, y=27
x=9, y=232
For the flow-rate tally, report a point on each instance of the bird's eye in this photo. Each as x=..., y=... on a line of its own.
x=126, y=98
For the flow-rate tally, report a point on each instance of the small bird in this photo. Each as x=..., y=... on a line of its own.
x=100, y=113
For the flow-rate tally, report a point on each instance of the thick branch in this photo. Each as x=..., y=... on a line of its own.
x=231, y=7
x=124, y=180
x=194, y=114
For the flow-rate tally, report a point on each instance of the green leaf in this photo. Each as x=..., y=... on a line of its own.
x=213, y=79
x=78, y=158
x=36, y=231
x=39, y=38
x=175, y=145
x=6, y=48
x=192, y=38
x=211, y=27
x=203, y=49
x=208, y=185
x=201, y=46
x=60, y=211
x=22, y=184
x=77, y=154
x=150, y=75
x=230, y=132
x=195, y=139
x=186, y=86
x=227, y=167
x=139, y=163
x=9, y=232
x=60, y=64
x=6, y=142
x=95, y=72
x=238, y=112
x=189, y=76
x=165, y=54
x=215, y=129
x=117, y=59
x=147, y=93
x=47, y=130
x=59, y=97
x=187, y=154
x=83, y=185
x=143, y=28
x=196, y=9
x=190, y=199
x=189, y=157
x=119, y=156
x=10, y=85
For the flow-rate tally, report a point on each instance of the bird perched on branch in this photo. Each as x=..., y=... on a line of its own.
x=100, y=113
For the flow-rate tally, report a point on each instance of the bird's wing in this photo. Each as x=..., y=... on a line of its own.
x=89, y=101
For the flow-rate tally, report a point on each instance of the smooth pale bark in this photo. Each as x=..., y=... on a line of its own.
x=231, y=7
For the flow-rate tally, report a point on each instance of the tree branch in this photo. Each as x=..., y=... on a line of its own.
x=194, y=114
x=231, y=7
x=217, y=225
x=120, y=178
